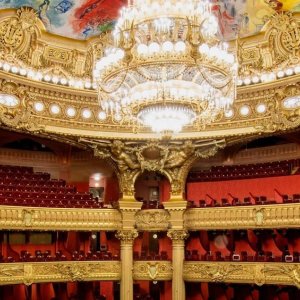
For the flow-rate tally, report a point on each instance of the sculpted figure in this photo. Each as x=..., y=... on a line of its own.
x=123, y=159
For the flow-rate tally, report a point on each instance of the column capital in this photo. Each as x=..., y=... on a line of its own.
x=177, y=235
x=127, y=235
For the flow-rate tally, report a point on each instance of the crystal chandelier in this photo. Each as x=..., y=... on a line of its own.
x=164, y=66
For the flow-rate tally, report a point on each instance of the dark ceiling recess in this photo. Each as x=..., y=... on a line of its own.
x=27, y=144
x=266, y=142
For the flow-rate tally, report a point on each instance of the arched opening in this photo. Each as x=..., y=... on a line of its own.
x=152, y=188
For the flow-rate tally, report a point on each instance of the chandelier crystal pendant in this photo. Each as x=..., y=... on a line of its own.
x=164, y=66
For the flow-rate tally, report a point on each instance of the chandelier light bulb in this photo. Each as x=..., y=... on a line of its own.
x=167, y=46
x=180, y=46
x=154, y=48
x=142, y=49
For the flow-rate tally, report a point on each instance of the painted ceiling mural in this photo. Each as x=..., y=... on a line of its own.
x=81, y=19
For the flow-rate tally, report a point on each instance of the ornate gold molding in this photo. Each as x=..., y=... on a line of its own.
x=127, y=236
x=152, y=270
x=170, y=159
x=243, y=272
x=21, y=116
x=152, y=220
x=177, y=235
x=45, y=218
x=28, y=273
x=279, y=47
x=243, y=217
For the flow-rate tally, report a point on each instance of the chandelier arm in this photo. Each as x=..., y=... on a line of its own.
x=208, y=80
x=157, y=80
x=109, y=92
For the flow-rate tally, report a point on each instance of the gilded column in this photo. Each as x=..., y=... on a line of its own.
x=178, y=237
x=126, y=237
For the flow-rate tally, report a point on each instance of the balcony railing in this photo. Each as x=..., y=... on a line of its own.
x=28, y=273
x=243, y=217
x=40, y=218
x=242, y=272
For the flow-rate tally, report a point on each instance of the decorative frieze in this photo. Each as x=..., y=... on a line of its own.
x=152, y=270
x=152, y=220
x=28, y=273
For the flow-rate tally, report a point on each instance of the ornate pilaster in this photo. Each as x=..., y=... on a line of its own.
x=178, y=237
x=126, y=237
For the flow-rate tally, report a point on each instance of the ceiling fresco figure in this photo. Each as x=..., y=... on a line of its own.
x=82, y=19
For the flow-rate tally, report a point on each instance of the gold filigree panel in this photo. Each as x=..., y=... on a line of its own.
x=79, y=219
x=243, y=217
x=242, y=272
x=152, y=270
x=152, y=220
x=28, y=273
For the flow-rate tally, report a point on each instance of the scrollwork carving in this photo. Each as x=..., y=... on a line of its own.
x=152, y=270
x=280, y=118
x=152, y=219
x=18, y=34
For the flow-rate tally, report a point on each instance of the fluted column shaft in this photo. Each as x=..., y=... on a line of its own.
x=178, y=288
x=126, y=237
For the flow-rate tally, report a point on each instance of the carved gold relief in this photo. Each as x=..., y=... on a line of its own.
x=127, y=236
x=279, y=49
x=170, y=159
x=177, y=235
x=280, y=118
x=152, y=270
x=29, y=273
x=18, y=34
x=16, y=117
x=34, y=218
x=152, y=220
x=242, y=272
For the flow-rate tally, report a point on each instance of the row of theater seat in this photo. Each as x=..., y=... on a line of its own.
x=46, y=256
x=52, y=203
x=69, y=189
x=21, y=186
x=15, y=169
x=163, y=255
x=280, y=168
x=256, y=200
x=266, y=256
x=33, y=183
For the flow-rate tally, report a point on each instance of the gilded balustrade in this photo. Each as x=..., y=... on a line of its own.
x=243, y=272
x=45, y=218
x=243, y=217
x=59, y=271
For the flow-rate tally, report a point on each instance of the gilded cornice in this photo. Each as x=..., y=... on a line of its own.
x=243, y=217
x=59, y=271
x=30, y=46
x=243, y=272
x=152, y=270
x=46, y=218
